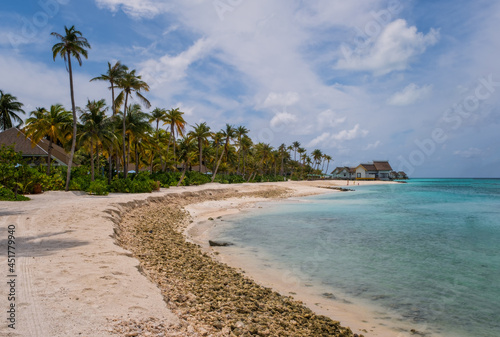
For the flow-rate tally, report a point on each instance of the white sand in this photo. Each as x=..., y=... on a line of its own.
x=71, y=277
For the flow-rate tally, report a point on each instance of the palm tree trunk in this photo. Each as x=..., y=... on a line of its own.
x=110, y=157
x=220, y=159
x=183, y=174
x=73, y=141
x=125, y=164
x=97, y=156
x=200, y=148
x=49, y=155
x=328, y=165
x=91, y=160
x=136, y=158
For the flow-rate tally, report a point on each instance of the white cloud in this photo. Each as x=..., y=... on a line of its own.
x=354, y=133
x=392, y=50
x=328, y=139
x=282, y=118
x=470, y=153
x=324, y=138
x=373, y=146
x=409, y=95
x=281, y=99
x=134, y=8
x=37, y=85
x=173, y=68
x=328, y=119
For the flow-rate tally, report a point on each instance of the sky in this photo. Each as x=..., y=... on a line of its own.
x=414, y=82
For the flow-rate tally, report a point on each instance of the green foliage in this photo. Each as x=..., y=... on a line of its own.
x=196, y=178
x=10, y=161
x=167, y=179
x=8, y=195
x=98, y=187
x=129, y=185
x=229, y=179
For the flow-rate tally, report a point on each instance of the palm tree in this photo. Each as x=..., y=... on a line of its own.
x=240, y=132
x=282, y=151
x=114, y=74
x=72, y=44
x=302, y=153
x=245, y=147
x=95, y=129
x=187, y=153
x=158, y=115
x=317, y=155
x=296, y=146
x=201, y=132
x=228, y=133
x=54, y=124
x=130, y=83
x=8, y=108
x=328, y=159
x=177, y=123
x=137, y=130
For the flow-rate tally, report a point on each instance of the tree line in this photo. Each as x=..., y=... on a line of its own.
x=111, y=137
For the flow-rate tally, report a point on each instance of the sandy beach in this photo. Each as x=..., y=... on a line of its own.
x=72, y=279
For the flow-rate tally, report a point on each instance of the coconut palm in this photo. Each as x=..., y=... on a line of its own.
x=282, y=151
x=240, y=132
x=158, y=115
x=130, y=83
x=72, y=44
x=96, y=129
x=328, y=159
x=177, y=123
x=137, y=130
x=55, y=124
x=228, y=133
x=296, y=146
x=187, y=153
x=201, y=132
x=114, y=74
x=245, y=146
x=8, y=108
x=317, y=155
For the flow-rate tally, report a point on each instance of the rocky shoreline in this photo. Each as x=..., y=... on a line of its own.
x=209, y=297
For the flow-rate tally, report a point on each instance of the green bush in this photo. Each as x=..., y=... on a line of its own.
x=8, y=195
x=98, y=187
x=132, y=186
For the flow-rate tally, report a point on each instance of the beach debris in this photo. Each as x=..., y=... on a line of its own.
x=208, y=297
x=219, y=243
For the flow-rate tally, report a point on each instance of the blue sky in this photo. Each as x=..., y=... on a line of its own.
x=414, y=82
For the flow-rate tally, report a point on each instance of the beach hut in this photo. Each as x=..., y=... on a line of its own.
x=35, y=154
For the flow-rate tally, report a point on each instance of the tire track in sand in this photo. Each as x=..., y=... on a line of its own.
x=31, y=317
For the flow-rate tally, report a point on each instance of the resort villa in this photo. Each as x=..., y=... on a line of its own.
x=34, y=153
x=377, y=170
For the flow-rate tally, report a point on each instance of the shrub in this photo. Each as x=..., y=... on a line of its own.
x=8, y=195
x=98, y=187
x=132, y=186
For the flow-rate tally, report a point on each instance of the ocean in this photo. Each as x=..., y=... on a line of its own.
x=428, y=250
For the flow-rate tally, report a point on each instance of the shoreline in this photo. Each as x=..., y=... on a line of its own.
x=361, y=317
x=73, y=278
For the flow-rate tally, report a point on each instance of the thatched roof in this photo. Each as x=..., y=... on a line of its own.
x=16, y=137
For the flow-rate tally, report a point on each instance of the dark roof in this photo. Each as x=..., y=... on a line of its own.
x=57, y=151
x=16, y=137
x=382, y=165
x=196, y=168
x=369, y=167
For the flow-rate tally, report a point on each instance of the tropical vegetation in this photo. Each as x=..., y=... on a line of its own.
x=122, y=146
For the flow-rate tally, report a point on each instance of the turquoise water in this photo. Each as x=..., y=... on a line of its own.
x=428, y=250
